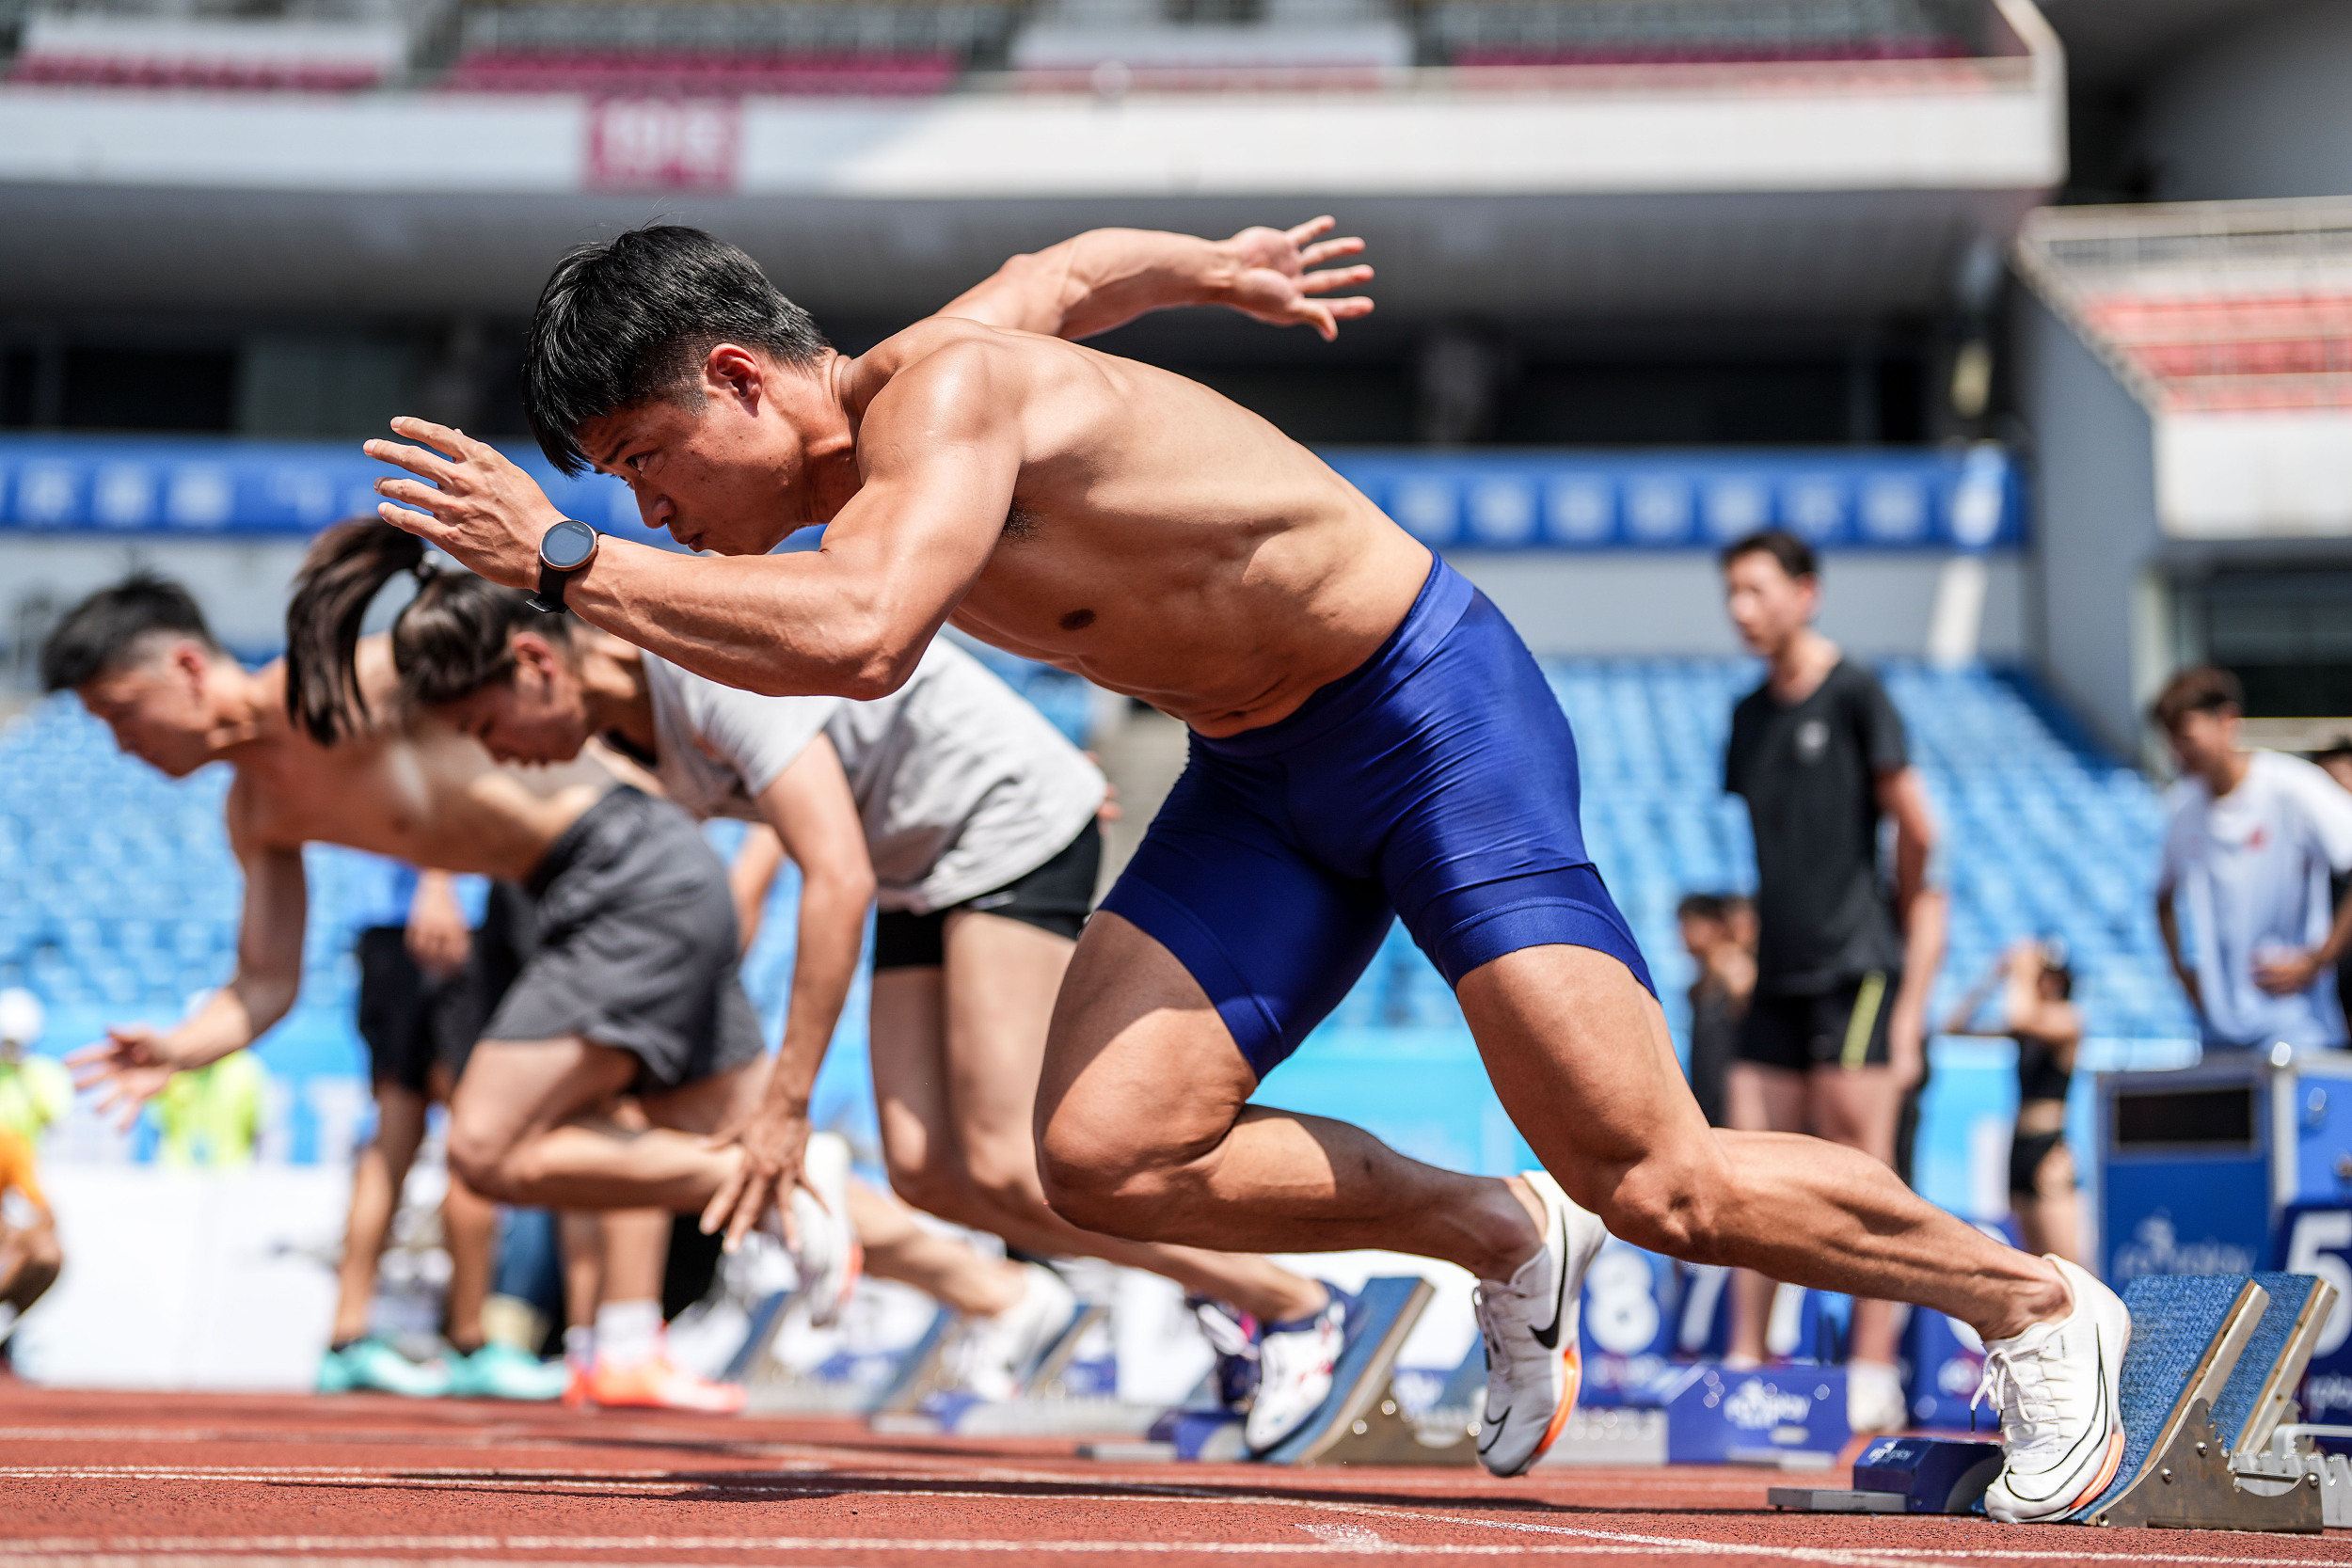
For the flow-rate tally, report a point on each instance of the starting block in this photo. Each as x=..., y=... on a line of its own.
x=2206, y=1388
x=920, y=1402
x=2214, y=1364
x=1905, y=1475
x=1361, y=1422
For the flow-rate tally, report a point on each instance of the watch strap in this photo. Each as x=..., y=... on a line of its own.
x=548, y=598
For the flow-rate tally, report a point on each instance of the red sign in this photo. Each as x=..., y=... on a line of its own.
x=669, y=144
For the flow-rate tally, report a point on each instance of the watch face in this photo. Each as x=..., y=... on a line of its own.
x=568, y=544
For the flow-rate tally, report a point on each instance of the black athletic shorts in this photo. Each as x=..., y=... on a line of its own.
x=1055, y=897
x=2027, y=1151
x=411, y=1020
x=1846, y=1028
x=632, y=945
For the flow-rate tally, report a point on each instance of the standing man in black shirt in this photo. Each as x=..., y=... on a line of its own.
x=1835, y=1039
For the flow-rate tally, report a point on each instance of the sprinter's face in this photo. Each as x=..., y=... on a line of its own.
x=727, y=466
x=539, y=714
x=158, y=706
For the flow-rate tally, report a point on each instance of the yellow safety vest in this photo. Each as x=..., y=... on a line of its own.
x=210, y=1116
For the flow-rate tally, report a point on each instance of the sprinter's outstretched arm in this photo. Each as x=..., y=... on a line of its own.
x=135, y=1060
x=1106, y=278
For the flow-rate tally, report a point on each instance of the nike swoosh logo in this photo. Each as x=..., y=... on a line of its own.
x=2096, y=1432
x=1494, y=1429
x=1549, y=1336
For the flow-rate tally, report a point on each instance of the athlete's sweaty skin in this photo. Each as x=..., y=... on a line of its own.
x=1171, y=546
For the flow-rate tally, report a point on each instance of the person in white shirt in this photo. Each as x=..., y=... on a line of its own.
x=973, y=823
x=2251, y=840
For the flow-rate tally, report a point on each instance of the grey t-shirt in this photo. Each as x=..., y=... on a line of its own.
x=962, y=784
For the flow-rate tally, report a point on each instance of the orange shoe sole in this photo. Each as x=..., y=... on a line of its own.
x=1574, y=1360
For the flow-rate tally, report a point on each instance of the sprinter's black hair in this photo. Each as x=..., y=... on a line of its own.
x=625, y=321
x=101, y=633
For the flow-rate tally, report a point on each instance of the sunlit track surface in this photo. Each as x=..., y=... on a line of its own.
x=194, y=1480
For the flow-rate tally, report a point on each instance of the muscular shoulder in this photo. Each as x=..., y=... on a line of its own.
x=942, y=361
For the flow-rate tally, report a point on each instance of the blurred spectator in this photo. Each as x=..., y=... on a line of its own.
x=2037, y=989
x=1835, y=1037
x=2252, y=841
x=2336, y=762
x=1718, y=931
x=211, y=1118
x=34, y=1092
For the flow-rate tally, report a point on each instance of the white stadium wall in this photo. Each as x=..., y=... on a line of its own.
x=1671, y=603
x=2096, y=534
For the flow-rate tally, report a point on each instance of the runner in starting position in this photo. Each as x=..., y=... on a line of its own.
x=1369, y=736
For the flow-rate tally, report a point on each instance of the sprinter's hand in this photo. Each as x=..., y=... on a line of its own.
x=1275, y=279
x=774, y=1141
x=471, y=502
x=129, y=1068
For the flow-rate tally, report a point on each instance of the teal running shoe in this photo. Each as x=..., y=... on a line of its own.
x=368, y=1366
x=498, y=1372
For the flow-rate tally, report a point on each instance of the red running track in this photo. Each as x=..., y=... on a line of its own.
x=190, y=1481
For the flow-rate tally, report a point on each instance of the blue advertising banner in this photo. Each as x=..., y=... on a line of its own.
x=195, y=486
x=1531, y=500
x=2317, y=1239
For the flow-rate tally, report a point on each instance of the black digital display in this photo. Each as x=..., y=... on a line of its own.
x=2219, y=1117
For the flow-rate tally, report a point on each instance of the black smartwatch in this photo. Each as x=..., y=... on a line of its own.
x=564, y=550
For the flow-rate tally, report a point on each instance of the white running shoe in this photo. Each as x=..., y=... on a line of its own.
x=991, y=1354
x=1874, y=1398
x=1295, y=1361
x=829, y=1257
x=2056, y=1387
x=1532, y=1361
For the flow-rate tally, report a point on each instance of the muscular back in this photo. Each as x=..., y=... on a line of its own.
x=418, y=791
x=1126, y=523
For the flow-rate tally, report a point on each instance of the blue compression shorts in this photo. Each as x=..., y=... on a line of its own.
x=1437, y=781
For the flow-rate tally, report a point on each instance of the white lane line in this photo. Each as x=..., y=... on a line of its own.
x=1350, y=1537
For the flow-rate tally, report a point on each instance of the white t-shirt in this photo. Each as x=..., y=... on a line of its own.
x=2248, y=872
x=962, y=784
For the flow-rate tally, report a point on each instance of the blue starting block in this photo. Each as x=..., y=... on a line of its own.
x=1905, y=1475
x=2205, y=1391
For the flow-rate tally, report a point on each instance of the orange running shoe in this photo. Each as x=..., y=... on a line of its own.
x=656, y=1384
x=576, y=1395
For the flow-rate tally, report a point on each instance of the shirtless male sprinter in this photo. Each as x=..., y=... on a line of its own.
x=630, y=983
x=1369, y=736
x=975, y=822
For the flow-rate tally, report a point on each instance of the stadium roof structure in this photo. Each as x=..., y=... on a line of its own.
x=2230, y=324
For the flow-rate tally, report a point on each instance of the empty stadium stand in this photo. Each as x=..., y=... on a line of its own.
x=2209, y=307
x=265, y=54
x=1482, y=33
x=728, y=49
